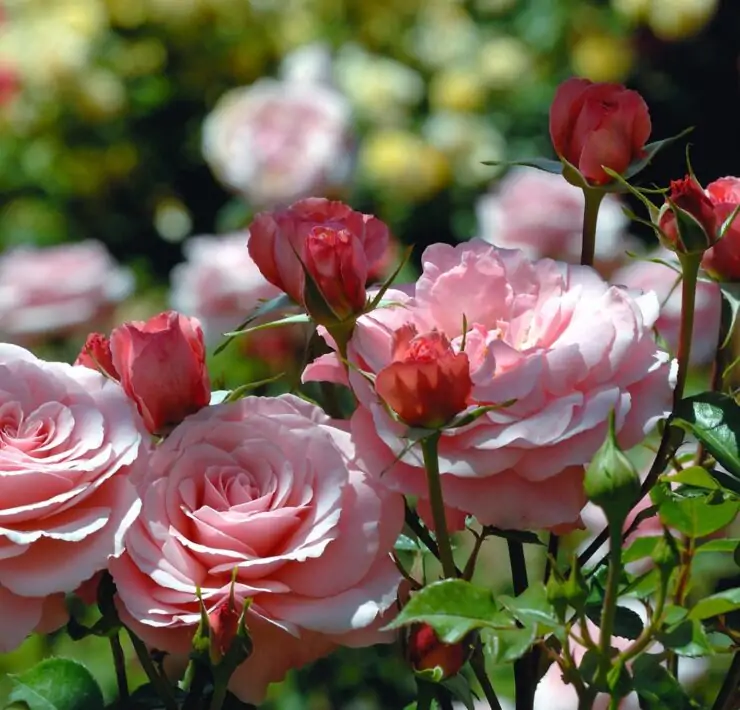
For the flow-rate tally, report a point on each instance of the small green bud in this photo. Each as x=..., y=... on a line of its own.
x=611, y=480
x=576, y=587
x=555, y=592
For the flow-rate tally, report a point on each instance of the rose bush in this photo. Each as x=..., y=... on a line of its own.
x=58, y=290
x=69, y=443
x=556, y=339
x=269, y=488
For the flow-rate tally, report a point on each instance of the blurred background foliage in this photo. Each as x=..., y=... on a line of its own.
x=102, y=105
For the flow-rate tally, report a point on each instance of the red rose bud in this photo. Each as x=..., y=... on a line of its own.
x=96, y=355
x=425, y=651
x=162, y=367
x=595, y=125
x=335, y=259
x=722, y=261
x=428, y=383
x=224, y=623
x=688, y=220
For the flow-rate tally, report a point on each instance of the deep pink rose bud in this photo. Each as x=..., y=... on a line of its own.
x=595, y=125
x=427, y=383
x=278, y=244
x=425, y=651
x=224, y=623
x=336, y=261
x=96, y=355
x=690, y=225
x=723, y=260
x=162, y=367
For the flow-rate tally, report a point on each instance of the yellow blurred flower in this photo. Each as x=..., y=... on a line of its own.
x=504, y=62
x=127, y=13
x=633, y=10
x=379, y=88
x=457, y=89
x=139, y=57
x=443, y=34
x=467, y=140
x=600, y=57
x=677, y=19
x=401, y=163
x=101, y=95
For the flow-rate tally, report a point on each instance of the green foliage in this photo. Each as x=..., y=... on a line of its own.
x=57, y=684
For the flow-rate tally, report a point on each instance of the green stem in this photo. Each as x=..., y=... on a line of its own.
x=690, y=267
x=609, y=611
x=424, y=694
x=553, y=546
x=160, y=685
x=429, y=447
x=730, y=689
x=591, y=206
x=219, y=696
x=478, y=665
x=523, y=667
x=119, y=663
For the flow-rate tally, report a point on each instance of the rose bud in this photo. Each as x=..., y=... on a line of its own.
x=425, y=651
x=335, y=260
x=427, y=383
x=688, y=220
x=96, y=355
x=224, y=623
x=595, y=125
x=162, y=367
x=722, y=261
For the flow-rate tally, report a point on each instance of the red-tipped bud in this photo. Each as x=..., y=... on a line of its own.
x=428, y=383
x=688, y=221
x=224, y=623
x=425, y=651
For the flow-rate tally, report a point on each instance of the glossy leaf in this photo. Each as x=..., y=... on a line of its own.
x=452, y=607
x=57, y=684
x=696, y=476
x=545, y=164
x=273, y=305
x=640, y=548
x=727, y=544
x=714, y=419
x=656, y=688
x=532, y=607
x=697, y=516
x=687, y=638
x=507, y=645
x=627, y=623
x=716, y=604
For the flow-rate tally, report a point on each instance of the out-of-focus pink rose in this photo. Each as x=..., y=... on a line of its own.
x=723, y=259
x=162, y=366
x=269, y=487
x=556, y=339
x=219, y=284
x=427, y=383
x=649, y=276
x=69, y=440
x=277, y=141
x=542, y=214
x=593, y=126
x=58, y=290
x=278, y=241
x=96, y=355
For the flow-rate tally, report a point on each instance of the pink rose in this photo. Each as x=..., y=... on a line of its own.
x=277, y=141
x=267, y=486
x=219, y=284
x=69, y=440
x=162, y=366
x=723, y=259
x=58, y=290
x=542, y=214
x=649, y=276
x=278, y=241
x=556, y=339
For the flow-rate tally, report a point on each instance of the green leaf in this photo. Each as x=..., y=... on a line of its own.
x=716, y=604
x=545, y=164
x=687, y=638
x=640, y=548
x=651, y=150
x=452, y=607
x=459, y=688
x=287, y=320
x=730, y=306
x=57, y=684
x=627, y=623
x=271, y=306
x=728, y=544
x=532, y=607
x=696, y=476
x=697, y=516
x=714, y=419
x=507, y=645
x=656, y=688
